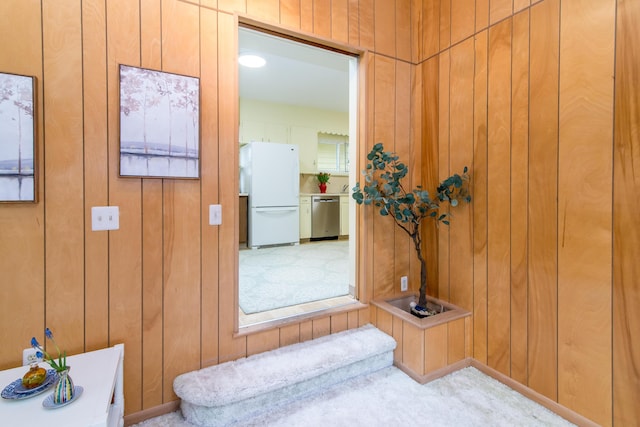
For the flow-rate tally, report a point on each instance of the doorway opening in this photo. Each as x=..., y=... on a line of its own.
x=305, y=97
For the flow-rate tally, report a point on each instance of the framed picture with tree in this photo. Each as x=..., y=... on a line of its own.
x=17, y=139
x=159, y=124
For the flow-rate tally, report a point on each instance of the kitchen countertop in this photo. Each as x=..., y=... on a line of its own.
x=324, y=194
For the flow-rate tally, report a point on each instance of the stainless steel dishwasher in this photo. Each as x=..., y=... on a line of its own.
x=325, y=217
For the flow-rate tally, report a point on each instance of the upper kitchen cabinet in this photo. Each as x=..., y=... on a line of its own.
x=307, y=139
x=252, y=130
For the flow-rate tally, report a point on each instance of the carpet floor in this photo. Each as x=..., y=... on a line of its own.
x=389, y=398
x=282, y=276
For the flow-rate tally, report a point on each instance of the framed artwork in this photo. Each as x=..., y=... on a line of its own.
x=159, y=124
x=17, y=139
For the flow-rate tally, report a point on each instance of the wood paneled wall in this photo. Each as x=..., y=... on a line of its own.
x=525, y=94
x=519, y=90
x=163, y=284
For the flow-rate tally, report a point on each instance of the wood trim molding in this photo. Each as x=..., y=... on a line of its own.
x=434, y=375
x=156, y=411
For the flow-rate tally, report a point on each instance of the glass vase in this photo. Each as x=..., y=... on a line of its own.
x=64, y=389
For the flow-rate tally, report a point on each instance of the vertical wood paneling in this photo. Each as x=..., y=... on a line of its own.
x=94, y=57
x=354, y=22
x=435, y=348
x=181, y=228
x=479, y=189
x=339, y=323
x=306, y=15
x=384, y=131
x=152, y=288
x=384, y=321
x=263, y=341
x=482, y=14
x=499, y=10
x=353, y=320
x=403, y=29
x=321, y=327
x=209, y=184
x=233, y=5
x=306, y=331
x=152, y=232
x=413, y=338
x=429, y=160
x=290, y=13
x=445, y=23
x=384, y=26
x=150, y=31
x=125, y=245
x=415, y=161
x=366, y=24
x=404, y=249
x=62, y=67
x=463, y=15
x=498, y=212
x=365, y=225
x=456, y=341
x=430, y=28
x=120, y=278
x=584, y=207
x=518, y=5
x=322, y=18
x=519, y=193
x=230, y=347
x=22, y=256
x=626, y=232
x=443, y=167
x=265, y=10
x=398, y=336
x=181, y=206
x=289, y=335
x=461, y=156
x=340, y=20
x=543, y=172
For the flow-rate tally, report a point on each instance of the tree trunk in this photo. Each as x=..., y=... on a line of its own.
x=417, y=241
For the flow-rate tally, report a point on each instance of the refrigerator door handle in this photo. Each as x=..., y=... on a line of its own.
x=277, y=209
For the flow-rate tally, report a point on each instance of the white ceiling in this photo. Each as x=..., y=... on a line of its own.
x=295, y=73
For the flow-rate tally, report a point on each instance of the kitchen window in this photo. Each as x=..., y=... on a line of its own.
x=333, y=153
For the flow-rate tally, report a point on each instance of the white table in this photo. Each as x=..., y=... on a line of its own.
x=100, y=405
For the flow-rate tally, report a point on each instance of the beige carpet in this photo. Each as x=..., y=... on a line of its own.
x=283, y=276
x=389, y=398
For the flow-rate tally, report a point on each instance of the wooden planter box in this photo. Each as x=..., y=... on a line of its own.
x=427, y=348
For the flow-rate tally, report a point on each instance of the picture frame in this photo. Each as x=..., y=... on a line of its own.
x=159, y=124
x=18, y=163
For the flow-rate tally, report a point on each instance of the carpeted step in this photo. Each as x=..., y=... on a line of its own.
x=234, y=391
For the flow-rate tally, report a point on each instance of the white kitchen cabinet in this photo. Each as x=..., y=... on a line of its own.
x=344, y=215
x=251, y=130
x=307, y=139
x=305, y=217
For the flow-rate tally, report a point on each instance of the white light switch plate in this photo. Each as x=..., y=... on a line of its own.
x=105, y=218
x=215, y=214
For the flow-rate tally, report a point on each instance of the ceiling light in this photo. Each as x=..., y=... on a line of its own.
x=252, y=61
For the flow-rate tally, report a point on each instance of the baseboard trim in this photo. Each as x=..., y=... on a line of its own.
x=156, y=411
x=529, y=393
x=439, y=373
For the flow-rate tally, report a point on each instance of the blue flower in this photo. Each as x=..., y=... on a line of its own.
x=61, y=364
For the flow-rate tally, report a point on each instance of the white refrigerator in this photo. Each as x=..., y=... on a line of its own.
x=270, y=175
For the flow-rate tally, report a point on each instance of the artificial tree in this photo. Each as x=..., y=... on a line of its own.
x=383, y=188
